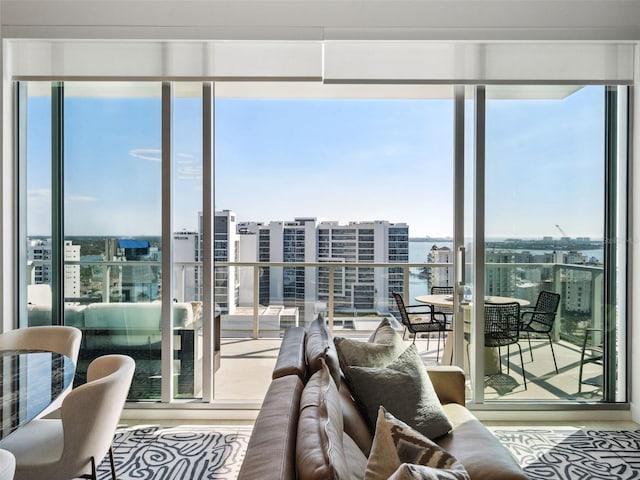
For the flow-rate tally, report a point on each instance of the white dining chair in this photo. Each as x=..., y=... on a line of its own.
x=50, y=338
x=7, y=465
x=74, y=445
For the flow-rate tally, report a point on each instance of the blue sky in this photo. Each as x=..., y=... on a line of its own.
x=338, y=160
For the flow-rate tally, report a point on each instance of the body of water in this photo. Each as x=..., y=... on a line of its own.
x=419, y=251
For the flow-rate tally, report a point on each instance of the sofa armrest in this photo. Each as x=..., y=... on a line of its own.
x=449, y=383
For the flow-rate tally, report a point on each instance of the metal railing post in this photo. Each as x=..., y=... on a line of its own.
x=331, y=305
x=256, y=300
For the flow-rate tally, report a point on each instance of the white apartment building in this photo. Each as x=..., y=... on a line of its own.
x=305, y=240
x=441, y=276
x=186, y=251
x=226, y=249
x=281, y=241
x=356, y=288
x=500, y=281
x=39, y=258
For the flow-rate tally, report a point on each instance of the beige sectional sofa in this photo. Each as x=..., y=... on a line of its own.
x=310, y=426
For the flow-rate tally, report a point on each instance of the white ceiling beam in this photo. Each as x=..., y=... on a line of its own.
x=616, y=20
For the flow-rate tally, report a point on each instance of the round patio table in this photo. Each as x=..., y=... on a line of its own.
x=491, y=357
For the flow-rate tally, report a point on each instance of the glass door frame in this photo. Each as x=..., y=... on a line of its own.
x=57, y=164
x=477, y=236
x=477, y=255
x=615, y=302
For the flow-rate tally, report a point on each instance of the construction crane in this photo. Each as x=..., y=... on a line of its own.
x=564, y=234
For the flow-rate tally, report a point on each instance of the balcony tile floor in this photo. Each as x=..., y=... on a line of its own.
x=255, y=359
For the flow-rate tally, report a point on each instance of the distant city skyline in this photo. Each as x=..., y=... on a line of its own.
x=336, y=160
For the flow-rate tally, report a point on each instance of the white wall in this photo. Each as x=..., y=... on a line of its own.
x=6, y=182
x=634, y=309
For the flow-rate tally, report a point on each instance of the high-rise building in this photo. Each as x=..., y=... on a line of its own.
x=71, y=272
x=500, y=281
x=39, y=257
x=282, y=242
x=305, y=240
x=186, y=251
x=441, y=276
x=225, y=249
x=139, y=282
x=364, y=288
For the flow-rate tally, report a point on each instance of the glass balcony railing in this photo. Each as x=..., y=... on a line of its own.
x=333, y=289
x=117, y=304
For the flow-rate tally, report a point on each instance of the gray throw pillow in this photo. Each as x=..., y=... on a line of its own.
x=384, y=333
x=403, y=388
x=364, y=354
x=382, y=348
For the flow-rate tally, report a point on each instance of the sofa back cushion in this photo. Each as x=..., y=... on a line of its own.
x=291, y=358
x=271, y=452
x=320, y=447
x=319, y=345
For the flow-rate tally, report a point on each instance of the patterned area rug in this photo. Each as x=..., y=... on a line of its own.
x=193, y=452
x=151, y=452
x=574, y=454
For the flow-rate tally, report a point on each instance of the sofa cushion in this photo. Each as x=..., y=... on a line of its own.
x=404, y=389
x=273, y=439
x=355, y=424
x=319, y=344
x=291, y=359
x=363, y=354
x=481, y=453
x=396, y=443
x=320, y=447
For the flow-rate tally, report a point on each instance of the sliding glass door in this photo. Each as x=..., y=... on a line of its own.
x=549, y=195
x=93, y=217
x=327, y=201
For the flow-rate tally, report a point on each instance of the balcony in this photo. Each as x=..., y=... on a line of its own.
x=258, y=356
x=353, y=297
